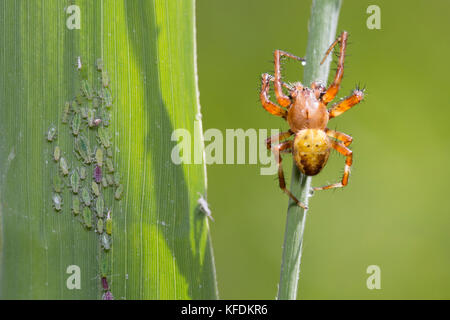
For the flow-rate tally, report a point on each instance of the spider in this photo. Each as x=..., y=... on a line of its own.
x=305, y=110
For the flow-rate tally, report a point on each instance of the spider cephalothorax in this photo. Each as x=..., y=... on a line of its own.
x=307, y=115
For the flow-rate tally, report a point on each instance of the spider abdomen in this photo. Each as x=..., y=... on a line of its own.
x=311, y=150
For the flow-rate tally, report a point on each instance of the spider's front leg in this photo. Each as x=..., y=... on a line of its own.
x=342, y=149
x=264, y=97
x=283, y=100
x=277, y=152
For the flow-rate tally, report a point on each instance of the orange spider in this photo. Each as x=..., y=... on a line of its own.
x=307, y=115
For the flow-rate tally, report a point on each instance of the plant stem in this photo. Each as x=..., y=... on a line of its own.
x=322, y=32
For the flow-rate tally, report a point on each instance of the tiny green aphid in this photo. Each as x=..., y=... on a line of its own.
x=83, y=148
x=75, y=181
x=105, y=79
x=85, y=196
x=119, y=191
x=57, y=153
x=109, y=165
x=117, y=178
x=104, y=182
x=108, y=223
x=91, y=118
x=106, y=96
x=79, y=99
x=75, y=106
x=65, y=114
x=95, y=189
x=57, y=202
x=76, y=124
x=104, y=115
x=106, y=241
x=99, y=64
x=64, y=166
x=109, y=152
x=100, y=226
x=75, y=205
x=58, y=184
x=83, y=173
x=103, y=136
x=84, y=112
x=86, y=89
x=100, y=207
x=51, y=133
x=87, y=217
x=110, y=179
x=99, y=156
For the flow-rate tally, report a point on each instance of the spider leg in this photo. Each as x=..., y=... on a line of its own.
x=342, y=149
x=346, y=104
x=345, y=138
x=333, y=89
x=277, y=152
x=278, y=138
x=283, y=100
x=264, y=96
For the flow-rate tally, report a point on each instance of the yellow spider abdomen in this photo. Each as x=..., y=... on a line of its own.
x=311, y=150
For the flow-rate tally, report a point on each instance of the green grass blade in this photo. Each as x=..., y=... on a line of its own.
x=161, y=248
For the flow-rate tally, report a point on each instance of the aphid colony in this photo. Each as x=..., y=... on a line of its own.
x=92, y=174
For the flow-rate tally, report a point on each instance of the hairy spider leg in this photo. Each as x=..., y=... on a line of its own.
x=264, y=96
x=277, y=152
x=345, y=138
x=339, y=147
x=346, y=104
x=278, y=138
x=333, y=89
x=283, y=100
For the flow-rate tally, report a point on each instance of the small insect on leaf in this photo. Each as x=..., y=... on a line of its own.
x=110, y=179
x=57, y=202
x=104, y=182
x=100, y=226
x=86, y=89
x=98, y=174
x=109, y=165
x=83, y=148
x=95, y=189
x=79, y=63
x=117, y=178
x=76, y=124
x=64, y=166
x=119, y=192
x=91, y=117
x=51, y=133
x=103, y=137
x=99, y=64
x=100, y=207
x=79, y=99
x=99, y=156
x=58, y=184
x=106, y=242
x=87, y=217
x=56, y=153
x=108, y=223
x=76, y=205
x=83, y=173
x=104, y=116
x=105, y=283
x=97, y=122
x=85, y=196
x=84, y=112
x=109, y=152
x=65, y=114
x=75, y=181
x=105, y=79
x=106, y=96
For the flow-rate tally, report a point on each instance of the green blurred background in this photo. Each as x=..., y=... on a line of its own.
x=395, y=211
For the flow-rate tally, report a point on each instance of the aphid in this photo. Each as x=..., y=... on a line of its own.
x=100, y=226
x=97, y=122
x=83, y=148
x=51, y=133
x=108, y=223
x=91, y=117
x=86, y=89
x=106, y=96
x=65, y=114
x=75, y=181
x=95, y=189
x=58, y=184
x=79, y=99
x=79, y=64
x=106, y=242
x=83, y=173
x=104, y=182
x=64, y=166
x=99, y=207
x=116, y=178
x=105, y=79
x=104, y=116
x=75, y=106
x=98, y=174
x=307, y=116
x=107, y=296
x=119, y=191
x=103, y=137
x=76, y=124
x=109, y=152
x=110, y=179
x=109, y=165
x=204, y=206
x=56, y=153
x=99, y=64
x=57, y=202
x=84, y=112
x=85, y=196
x=105, y=283
x=87, y=217
x=99, y=156
x=76, y=205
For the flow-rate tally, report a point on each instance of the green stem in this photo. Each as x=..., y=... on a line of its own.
x=322, y=32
